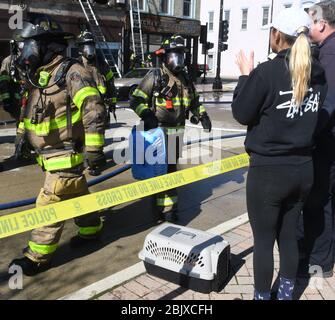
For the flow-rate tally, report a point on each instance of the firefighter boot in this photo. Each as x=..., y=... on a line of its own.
x=30, y=267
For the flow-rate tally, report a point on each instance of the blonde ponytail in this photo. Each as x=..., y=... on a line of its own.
x=300, y=67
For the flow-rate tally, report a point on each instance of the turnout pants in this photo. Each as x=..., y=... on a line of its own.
x=167, y=201
x=58, y=187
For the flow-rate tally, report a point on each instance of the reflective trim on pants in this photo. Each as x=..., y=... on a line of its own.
x=167, y=201
x=88, y=231
x=43, y=249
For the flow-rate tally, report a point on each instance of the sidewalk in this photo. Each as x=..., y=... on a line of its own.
x=240, y=286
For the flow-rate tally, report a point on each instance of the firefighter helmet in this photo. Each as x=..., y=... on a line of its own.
x=42, y=27
x=175, y=43
x=85, y=37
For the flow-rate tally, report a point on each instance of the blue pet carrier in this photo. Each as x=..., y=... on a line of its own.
x=148, y=153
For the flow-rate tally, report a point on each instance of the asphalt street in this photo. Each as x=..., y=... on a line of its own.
x=202, y=205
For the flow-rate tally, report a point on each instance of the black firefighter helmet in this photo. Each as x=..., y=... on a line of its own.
x=173, y=52
x=86, y=45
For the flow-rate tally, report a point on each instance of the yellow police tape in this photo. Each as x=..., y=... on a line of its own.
x=23, y=221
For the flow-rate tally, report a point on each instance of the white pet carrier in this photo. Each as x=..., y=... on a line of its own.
x=189, y=257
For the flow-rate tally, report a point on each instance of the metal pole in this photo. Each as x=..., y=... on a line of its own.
x=217, y=85
x=205, y=71
x=271, y=17
x=205, y=60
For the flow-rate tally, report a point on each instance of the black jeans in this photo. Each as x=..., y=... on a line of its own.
x=275, y=198
x=318, y=223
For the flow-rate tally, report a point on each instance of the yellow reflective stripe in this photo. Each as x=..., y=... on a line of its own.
x=42, y=129
x=94, y=139
x=88, y=231
x=42, y=248
x=21, y=125
x=4, y=78
x=167, y=201
x=139, y=109
x=109, y=75
x=59, y=163
x=201, y=109
x=102, y=89
x=39, y=160
x=139, y=93
x=17, y=96
x=83, y=93
x=114, y=100
x=160, y=102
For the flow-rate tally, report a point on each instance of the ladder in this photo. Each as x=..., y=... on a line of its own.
x=100, y=39
x=136, y=29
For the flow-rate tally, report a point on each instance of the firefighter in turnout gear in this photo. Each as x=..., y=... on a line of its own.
x=99, y=68
x=64, y=116
x=164, y=98
x=12, y=95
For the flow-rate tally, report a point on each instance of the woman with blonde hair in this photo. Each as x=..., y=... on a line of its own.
x=279, y=102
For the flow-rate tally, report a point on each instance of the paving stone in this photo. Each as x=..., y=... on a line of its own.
x=137, y=288
x=225, y=296
x=245, y=280
x=108, y=296
x=239, y=289
x=148, y=282
x=159, y=293
x=124, y=294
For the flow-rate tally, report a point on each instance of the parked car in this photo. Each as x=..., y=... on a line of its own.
x=125, y=86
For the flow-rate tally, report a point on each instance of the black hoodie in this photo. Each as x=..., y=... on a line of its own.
x=278, y=132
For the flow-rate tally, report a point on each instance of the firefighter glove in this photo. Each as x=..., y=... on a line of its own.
x=206, y=122
x=150, y=120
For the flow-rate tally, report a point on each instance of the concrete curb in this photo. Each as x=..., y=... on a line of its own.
x=137, y=269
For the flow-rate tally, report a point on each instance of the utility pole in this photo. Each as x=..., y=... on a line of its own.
x=217, y=85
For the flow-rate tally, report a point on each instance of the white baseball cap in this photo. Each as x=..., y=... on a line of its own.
x=291, y=20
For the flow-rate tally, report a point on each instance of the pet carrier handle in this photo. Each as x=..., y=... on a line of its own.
x=188, y=234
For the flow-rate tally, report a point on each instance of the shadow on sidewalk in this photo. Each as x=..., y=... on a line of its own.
x=236, y=262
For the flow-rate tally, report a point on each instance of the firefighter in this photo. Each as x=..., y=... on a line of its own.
x=10, y=98
x=102, y=75
x=64, y=115
x=11, y=94
x=164, y=98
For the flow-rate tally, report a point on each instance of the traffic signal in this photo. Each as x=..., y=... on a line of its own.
x=209, y=45
x=203, y=34
x=223, y=46
x=224, y=30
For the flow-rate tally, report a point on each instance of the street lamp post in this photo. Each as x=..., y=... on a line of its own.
x=217, y=85
x=271, y=18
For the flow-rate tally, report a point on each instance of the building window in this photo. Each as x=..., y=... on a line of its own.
x=289, y=5
x=211, y=21
x=227, y=15
x=164, y=6
x=266, y=11
x=244, y=19
x=187, y=9
x=141, y=4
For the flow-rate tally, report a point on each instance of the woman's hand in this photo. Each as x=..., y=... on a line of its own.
x=245, y=65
